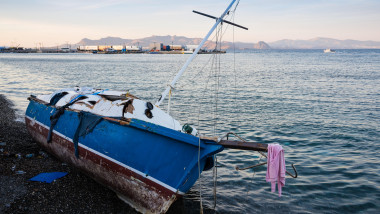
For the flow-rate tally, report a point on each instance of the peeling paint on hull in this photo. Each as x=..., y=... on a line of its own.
x=139, y=192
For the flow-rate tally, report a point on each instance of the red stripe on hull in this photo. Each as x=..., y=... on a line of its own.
x=143, y=194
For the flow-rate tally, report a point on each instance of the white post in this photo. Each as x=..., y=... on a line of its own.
x=192, y=56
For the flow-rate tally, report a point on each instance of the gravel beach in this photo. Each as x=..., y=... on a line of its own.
x=73, y=193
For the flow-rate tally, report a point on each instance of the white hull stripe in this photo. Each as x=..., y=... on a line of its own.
x=109, y=158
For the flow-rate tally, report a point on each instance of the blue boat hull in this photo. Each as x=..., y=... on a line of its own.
x=147, y=165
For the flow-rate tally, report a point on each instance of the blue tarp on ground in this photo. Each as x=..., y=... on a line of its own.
x=48, y=177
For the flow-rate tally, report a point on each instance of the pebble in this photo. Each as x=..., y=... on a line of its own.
x=43, y=154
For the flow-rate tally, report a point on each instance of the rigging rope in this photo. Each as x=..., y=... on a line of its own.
x=214, y=72
x=215, y=176
x=217, y=83
x=253, y=176
x=234, y=68
x=199, y=175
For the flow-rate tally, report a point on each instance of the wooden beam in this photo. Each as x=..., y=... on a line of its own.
x=244, y=145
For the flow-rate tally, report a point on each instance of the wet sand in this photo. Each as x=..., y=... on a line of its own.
x=73, y=193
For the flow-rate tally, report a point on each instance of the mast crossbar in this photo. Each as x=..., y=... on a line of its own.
x=216, y=18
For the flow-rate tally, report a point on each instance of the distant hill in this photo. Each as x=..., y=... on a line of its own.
x=104, y=41
x=316, y=43
x=322, y=43
x=261, y=45
x=168, y=40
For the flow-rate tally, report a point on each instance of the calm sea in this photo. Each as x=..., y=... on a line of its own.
x=324, y=109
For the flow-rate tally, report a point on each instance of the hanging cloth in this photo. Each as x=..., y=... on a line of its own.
x=276, y=167
x=87, y=123
x=55, y=117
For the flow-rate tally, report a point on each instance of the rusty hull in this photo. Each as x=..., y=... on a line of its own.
x=141, y=193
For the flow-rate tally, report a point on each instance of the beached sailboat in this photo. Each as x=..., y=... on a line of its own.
x=129, y=145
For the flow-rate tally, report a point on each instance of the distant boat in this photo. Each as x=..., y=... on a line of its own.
x=154, y=52
x=328, y=50
x=187, y=52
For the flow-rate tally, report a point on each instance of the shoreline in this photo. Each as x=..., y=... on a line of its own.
x=73, y=193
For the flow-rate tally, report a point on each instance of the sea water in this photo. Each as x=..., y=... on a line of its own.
x=324, y=109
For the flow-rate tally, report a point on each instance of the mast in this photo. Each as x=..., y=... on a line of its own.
x=218, y=21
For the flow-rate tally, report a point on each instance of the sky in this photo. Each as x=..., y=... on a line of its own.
x=54, y=22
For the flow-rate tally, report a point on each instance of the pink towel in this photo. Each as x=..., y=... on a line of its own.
x=276, y=167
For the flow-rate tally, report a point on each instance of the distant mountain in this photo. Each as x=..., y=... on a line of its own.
x=261, y=45
x=168, y=40
x=104, y=41
x=322, y=43
x=316, y=43
x=239, y=45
